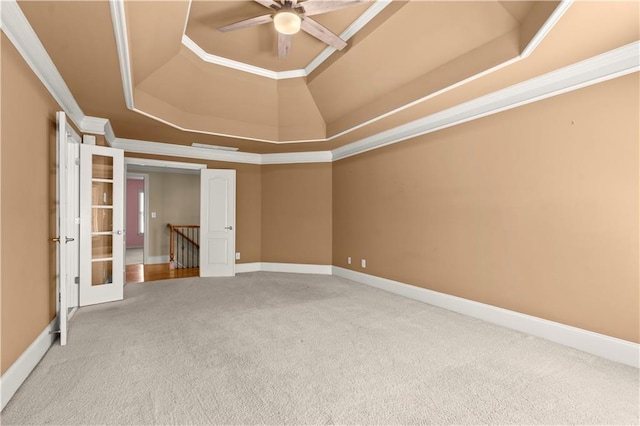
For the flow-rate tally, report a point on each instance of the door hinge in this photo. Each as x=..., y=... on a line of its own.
x=76, y=280
x=77, y=161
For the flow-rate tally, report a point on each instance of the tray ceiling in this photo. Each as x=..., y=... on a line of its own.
x=413, y=59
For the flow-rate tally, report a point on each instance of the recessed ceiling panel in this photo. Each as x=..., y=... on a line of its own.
x=206, y=89
x=258, y=45
x=419, y=38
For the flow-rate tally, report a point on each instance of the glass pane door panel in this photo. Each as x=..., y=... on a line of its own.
x=102, y=220
x=102, y=167
x=101, y=193
x=101, y=246
x=101, y=272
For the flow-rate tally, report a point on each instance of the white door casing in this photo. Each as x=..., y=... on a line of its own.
x=217, y=222
x=65, y=236
x=101, y=224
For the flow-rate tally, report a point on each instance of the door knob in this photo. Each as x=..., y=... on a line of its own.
x=117, y=232
x=55, y=240
x=68, y=240
x=229, y=227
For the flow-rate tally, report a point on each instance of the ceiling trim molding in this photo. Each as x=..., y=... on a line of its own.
x=172, y=150
x=607, y=66
x=119, y=20
x=131, y=161
x=546, y=27
x=349, y=32
x=123, y=53
x=17, y=28
x=237, y=65
x=297, y=157
x=98, y=126
x=371, y=12
x=184, y=151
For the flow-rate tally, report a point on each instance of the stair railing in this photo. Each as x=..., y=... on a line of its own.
x=184, y=246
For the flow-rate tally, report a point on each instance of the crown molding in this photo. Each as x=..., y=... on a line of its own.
x=237, y=65
x=349, y=32
x=546, y=27
x=297, y=157
x=144, y=162
x=184, y=151
x=119, y=20
x=109, y=135
x=371, y=12
x=98, y=126
x=607, y=66
x=94, y=125
x=119, y=24
x=172, y=150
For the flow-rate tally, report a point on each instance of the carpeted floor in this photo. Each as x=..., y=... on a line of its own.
x=303, y=349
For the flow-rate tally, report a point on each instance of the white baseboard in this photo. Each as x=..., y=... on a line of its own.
x=601, y=345
x=153, y=260
x=241, y=268
x=22, y=367
x=294, y=268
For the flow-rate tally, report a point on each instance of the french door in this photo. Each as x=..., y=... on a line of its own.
x=101, y=224
x=217, y=223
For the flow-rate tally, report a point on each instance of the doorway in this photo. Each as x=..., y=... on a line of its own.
x=171, y=219
x=137, y=191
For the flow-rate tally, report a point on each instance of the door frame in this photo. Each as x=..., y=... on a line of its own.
x=64, y=133
x=145, y=237
x=144, y=166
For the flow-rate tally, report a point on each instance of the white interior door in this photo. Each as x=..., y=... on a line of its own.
x=217, y=223
x=66, y=237
x=101, y=224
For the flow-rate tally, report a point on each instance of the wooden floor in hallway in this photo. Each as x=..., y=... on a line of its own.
x=139, y=273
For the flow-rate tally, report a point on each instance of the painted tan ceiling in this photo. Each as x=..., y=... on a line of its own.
x=258, y=45
x=409, y=51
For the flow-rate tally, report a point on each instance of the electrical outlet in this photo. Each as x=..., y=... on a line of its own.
x=153, y=215
x=238, y=256
x=349, y=260
x=363, y=263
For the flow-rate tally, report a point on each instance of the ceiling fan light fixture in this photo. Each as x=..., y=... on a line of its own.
x=287, y=22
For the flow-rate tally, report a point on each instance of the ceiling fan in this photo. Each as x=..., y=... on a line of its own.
x=291, y=16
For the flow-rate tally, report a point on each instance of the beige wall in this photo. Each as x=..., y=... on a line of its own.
x=534, y=209
x=175, y=198
x=296, y=213
x=27, y=282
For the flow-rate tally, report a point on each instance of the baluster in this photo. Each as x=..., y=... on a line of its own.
x=181, y=251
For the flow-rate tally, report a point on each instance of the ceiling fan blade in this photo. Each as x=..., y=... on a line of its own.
x=322, y=33
x=316, y=7
x=284, y=45
x=269, y=4
x=263, y=19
